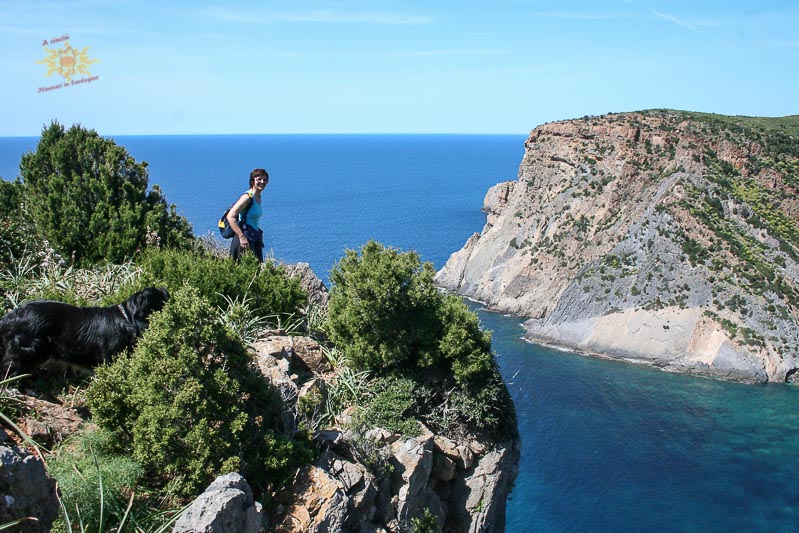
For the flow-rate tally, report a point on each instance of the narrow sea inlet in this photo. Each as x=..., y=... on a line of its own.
x=610, y=446
x=606, y=446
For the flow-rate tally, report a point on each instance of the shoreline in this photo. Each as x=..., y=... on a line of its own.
x=658, y=365
x=608, y=356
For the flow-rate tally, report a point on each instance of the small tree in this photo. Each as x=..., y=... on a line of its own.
x=386, y=313
x=387, y=317
x=15, y=230
x=382, y=308
x=89, y=198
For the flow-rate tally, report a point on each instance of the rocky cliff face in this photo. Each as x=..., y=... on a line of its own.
x=381, y=482
x=661, y=237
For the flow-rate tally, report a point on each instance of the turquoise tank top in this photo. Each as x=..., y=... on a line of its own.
x=253, y=217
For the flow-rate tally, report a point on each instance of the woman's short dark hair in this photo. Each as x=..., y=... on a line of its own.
x=258, y=173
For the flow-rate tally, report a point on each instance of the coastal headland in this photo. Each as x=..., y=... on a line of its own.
x=662, y=237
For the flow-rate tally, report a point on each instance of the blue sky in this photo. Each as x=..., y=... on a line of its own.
x=375, y=66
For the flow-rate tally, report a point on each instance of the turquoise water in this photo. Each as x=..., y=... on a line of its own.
x=610, y=446
x=606, y=446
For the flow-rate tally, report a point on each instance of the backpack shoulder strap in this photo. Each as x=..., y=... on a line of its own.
x=250, y=201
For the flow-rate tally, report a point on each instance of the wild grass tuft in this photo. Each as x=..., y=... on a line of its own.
x=29, y=278
x=240, y=315
x=97, y=488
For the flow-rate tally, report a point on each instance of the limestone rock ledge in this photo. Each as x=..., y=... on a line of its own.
x=646, y=237
x=465, y=485
x=372, y=483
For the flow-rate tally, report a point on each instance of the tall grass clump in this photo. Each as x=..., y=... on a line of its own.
x=30, y=278
x=95, y=483
x=188, y=404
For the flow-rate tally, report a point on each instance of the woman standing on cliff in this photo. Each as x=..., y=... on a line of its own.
x=245, y=218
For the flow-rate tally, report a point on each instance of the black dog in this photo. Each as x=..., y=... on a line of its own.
x=43, y=330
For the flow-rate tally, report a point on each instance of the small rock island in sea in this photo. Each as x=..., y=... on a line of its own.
x=660, y=237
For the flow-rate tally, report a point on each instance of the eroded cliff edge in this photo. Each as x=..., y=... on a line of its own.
x=661, y=237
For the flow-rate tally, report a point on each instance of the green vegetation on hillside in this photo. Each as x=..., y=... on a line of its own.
x=189, y=403
x=219, y=281
x=788, y=125
x=388, y=318
x=775, y=128
x=89, y=198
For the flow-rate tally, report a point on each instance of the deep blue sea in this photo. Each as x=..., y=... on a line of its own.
x=606, y=446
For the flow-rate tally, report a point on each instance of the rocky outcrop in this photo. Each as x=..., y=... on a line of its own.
x=316, y=502
x=227, y=505
x=310, y=282
x=379, y=481
x=658, y=237
x=27, y=492
x=464, y=486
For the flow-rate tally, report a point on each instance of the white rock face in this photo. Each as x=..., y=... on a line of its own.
x=619, y=239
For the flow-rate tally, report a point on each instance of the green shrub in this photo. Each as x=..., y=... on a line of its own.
x=14, y=240
x=387, y=317
x=264, y=285
x=10, y=198
x=390, y=403
x=89, y=198
x=486, y=407
x=19, y=237
x=464, y=346
x=382, y=308
x=427, y=522
x=385, y=313
x=190, y=404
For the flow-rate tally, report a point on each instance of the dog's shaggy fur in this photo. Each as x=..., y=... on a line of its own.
x=41, y=331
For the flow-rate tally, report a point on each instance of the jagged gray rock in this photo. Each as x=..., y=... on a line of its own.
x=338, y=491
x=478, y=498
x=26, y=490
x=226, y=506
x=465, y=485
x=317, y=291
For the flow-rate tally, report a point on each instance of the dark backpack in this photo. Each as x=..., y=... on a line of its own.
x=224, y=227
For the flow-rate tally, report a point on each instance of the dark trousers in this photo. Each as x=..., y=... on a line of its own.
x=256, y=247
